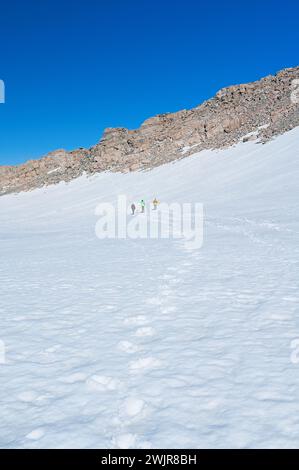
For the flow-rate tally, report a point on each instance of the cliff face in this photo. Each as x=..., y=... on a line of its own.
x=235, y=111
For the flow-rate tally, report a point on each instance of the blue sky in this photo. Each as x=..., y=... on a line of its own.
x=72, y=68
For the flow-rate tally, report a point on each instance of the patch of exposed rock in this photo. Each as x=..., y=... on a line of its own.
x=261, y=109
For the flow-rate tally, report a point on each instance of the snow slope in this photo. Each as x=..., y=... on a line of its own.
x=142, y=343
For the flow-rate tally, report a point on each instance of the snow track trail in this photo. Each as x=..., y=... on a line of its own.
x=145, y=343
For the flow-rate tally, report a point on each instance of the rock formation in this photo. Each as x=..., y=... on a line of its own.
x=261, y=109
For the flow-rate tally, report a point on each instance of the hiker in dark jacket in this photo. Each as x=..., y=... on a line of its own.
x=133, y=208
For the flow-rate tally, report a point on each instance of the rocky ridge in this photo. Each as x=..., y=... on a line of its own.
x=257, y=110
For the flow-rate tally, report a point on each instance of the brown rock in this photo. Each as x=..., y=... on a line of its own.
x=221, y=121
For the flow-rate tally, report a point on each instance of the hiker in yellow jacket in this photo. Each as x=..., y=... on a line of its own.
x=155, y=203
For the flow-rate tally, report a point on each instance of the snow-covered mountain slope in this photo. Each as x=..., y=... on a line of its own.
x=143, y=343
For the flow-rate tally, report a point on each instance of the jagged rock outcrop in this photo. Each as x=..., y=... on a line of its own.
x=237, y=111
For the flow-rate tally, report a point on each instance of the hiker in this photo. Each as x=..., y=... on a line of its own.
x=155, y=203
x=142, y=203
x=133, y=208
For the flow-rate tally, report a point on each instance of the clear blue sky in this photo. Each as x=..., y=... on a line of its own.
x=74, y=67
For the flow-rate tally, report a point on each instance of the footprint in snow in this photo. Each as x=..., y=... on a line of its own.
x=167, y=277
x=129, y=441
x=138, y=320
x=132, y=407
x=182, y=271
x=101, y=383
x=28, y=396
x=34, y=397
x=74, y=378
x=145, y=331
x=36, y=434
x=128, y=347
x=143, y=364
x=51, y=350
x=124, y=441
x=154, y=301
x=169, y=309
x=166, y=291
